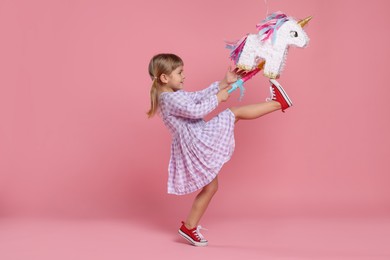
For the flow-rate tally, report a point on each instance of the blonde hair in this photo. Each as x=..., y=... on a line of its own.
x=163, y=63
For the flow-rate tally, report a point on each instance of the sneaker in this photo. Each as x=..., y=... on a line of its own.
x=279, y=95
x=193, y=235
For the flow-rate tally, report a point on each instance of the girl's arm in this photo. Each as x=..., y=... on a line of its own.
x=230, y=77
x=181, y=104
x=199, y=95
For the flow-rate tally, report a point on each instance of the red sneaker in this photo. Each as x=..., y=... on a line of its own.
x=193, y=235
x=278, y=94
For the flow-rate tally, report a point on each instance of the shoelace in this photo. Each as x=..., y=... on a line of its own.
x=198, y=234
x=272, y=93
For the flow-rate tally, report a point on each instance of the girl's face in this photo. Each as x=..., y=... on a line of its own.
x=176, y=79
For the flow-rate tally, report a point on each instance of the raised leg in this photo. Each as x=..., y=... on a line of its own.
x=200, y=204
x=254, y=111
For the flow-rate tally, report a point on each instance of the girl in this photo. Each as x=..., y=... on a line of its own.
x=199, y=148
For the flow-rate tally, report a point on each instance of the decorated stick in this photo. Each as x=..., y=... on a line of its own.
x=240, y=83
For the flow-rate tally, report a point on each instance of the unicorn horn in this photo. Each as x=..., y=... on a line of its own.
x=303, y=22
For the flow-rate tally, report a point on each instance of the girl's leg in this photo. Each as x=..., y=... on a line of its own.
x=255, y=110
x=200, y=203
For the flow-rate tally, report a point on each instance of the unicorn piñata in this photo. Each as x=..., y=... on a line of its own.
x=268, y=48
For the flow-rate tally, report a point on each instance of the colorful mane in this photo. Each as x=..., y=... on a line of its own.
x=270, y=25
x=266, y=28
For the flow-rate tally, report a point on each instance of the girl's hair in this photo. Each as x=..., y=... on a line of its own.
x=163, y=63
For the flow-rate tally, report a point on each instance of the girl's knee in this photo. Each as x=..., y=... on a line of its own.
x=235, y=113
x=234, y=110
x=212, y=187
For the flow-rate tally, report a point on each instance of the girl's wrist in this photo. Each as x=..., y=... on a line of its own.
x=223, y=84
x=219, y=98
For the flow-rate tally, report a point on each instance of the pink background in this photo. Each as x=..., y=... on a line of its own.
x=75, y=141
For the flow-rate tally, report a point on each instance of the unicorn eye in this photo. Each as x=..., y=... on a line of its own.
x=294, y=34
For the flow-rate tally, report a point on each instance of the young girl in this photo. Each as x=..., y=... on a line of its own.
x=199, y=148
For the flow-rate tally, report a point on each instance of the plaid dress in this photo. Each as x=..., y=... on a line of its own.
x=199, y=148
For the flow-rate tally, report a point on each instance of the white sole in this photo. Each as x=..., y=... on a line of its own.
x=189, y=239
x=281, y=90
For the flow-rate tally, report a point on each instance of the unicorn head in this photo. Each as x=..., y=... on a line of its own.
x=285, y=30
x=292, y=34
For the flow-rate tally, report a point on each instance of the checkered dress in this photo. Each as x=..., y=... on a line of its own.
x=199, y=148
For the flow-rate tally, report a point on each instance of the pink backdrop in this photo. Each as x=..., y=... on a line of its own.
x=75, y=140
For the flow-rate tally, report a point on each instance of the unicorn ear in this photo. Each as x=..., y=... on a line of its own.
x=303, y=22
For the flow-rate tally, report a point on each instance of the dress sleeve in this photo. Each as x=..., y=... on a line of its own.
x=181, y=104
x=199, y=95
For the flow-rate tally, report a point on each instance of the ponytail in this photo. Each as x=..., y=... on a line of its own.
x=153, y=99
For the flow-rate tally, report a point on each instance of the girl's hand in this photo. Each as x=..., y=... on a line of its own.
x=231, y=76
x=223, y=95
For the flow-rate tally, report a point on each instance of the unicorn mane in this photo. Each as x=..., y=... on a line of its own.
x=268, y=27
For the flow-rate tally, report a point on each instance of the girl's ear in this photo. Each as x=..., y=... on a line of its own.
x=164, y=78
